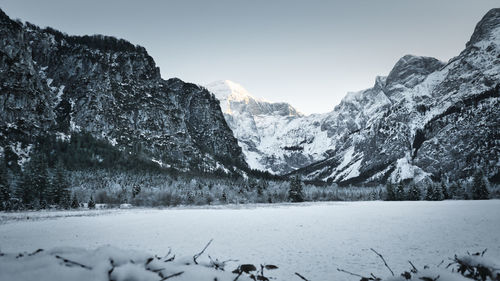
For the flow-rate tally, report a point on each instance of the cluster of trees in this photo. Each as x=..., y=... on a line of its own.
x=156, y=189
x=98, y=41
x=63, y=174
x=37, y=187
x=477, y=190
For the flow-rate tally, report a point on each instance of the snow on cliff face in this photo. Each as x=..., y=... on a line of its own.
x=274, y=136
x=439, y=120
x=425, y=119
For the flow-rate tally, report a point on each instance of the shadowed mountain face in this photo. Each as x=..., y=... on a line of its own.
x=56, y=84
x=426, y=119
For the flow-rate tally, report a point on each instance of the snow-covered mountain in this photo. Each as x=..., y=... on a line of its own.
x=274, y=136
x=426, y=119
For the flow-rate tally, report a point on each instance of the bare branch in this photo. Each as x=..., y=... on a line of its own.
x=73, y=262
x=386, y=265
x=195, y=257
x=350, y=273
x=173, y=275
x=41, y=250
x=483, y=252
x=238, y=276
x=414, y=270
x=301, y=277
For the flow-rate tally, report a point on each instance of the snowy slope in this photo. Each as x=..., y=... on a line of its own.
x=425, y=120
x=441, y=120
x=313, y=239
x=274, y=136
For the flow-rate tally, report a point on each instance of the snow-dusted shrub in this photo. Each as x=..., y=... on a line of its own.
x=112, y=264
x=466, y=267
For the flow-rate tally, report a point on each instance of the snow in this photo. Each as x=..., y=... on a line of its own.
x=60, y=93
x=63, y=137
x=157, y=161
x=406, y=170
x=313, y=239
x=23, y=153
x=227, y=91
x=444, y=275
x=104, y=263
x=352, y=170
x=263, y=133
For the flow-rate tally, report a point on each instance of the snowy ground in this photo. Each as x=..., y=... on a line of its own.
x=312, y=239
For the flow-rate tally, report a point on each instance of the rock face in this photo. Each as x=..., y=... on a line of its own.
x=426, y=119
x=57, y=84
x=274, y=136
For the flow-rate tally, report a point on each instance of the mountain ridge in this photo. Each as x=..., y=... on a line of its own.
x=419, y=122
x=58, y=84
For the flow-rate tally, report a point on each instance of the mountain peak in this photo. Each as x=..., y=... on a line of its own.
x=484, y=28
x=411, y=69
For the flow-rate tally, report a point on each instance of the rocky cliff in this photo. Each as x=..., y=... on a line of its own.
x=426, y=119
x=52, y=83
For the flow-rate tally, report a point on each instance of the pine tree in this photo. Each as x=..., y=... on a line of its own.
x=74, y=203
x=479, y=189
x=4, y=187
x=429, y=194
x=414, y=194
x=444, y=190
x=136, y=190
x=65, y=201
x=391, y=194
x=25, y=192
x=60, y=187
x=400, y=192
x=91, y=203
x=438, y=193
x=295, y=193
x=34, y=188
x=462, y=192
x=453, y=192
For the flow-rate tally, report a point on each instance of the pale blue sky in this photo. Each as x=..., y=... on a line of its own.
x=309, y=53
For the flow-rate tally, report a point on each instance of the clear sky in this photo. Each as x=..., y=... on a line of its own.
x=309, y=53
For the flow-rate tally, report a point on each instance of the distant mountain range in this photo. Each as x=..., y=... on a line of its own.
x=426, y=120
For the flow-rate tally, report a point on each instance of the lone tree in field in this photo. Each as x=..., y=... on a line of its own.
x=295, y=193
x=479, y=189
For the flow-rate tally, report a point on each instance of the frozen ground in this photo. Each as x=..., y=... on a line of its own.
x=313, y=239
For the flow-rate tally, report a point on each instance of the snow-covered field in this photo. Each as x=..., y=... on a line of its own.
x=313, y=239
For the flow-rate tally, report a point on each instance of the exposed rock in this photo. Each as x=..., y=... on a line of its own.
x=52, y=83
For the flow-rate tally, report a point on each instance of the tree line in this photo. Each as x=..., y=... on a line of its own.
x=477, y=190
